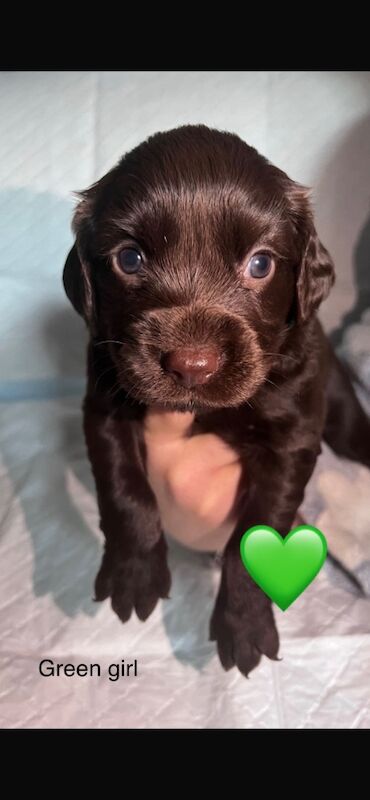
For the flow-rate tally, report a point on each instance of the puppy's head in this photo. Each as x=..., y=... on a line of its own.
x=193, y=257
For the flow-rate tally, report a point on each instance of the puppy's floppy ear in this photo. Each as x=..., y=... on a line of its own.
x=315, y=277
x=77, y=279
x=315, y=270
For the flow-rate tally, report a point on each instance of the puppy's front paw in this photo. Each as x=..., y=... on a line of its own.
x=244, y=632
x=135, y=582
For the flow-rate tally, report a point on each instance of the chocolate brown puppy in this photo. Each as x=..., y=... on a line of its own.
x=199, y=272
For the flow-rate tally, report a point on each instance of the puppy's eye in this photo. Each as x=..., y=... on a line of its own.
x=259, y=265
x=129, y=260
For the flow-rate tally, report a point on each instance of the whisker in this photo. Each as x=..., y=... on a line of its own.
x=114, y=390
x=282, y=355
x=108, y=341
x=132, y=387
x=102, y=375
x=267, y=380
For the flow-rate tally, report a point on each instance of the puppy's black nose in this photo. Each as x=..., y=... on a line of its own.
x=191, y=366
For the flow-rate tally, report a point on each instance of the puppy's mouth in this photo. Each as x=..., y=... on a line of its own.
x=185, y=363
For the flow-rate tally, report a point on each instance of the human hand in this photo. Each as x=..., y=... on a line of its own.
x=195, y=480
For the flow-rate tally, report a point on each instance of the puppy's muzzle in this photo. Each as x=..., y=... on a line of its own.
x=190, y=366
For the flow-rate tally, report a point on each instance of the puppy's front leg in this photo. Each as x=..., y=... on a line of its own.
x=134, y=570
x=242, y=623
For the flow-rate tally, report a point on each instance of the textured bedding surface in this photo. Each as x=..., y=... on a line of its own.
x=59, y=132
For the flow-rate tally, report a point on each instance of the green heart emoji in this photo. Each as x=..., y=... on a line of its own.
x=283, y=568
